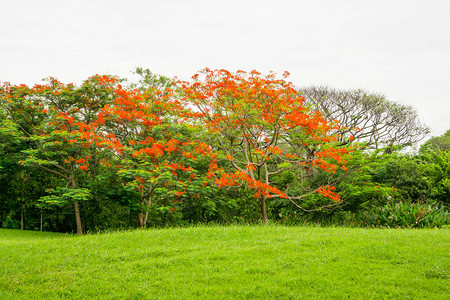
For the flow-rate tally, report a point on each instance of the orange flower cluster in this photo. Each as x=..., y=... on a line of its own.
x=229, y=157
x=227, y=180
x=332, y=153
x=327, y=191
x=105, y=79
x=275, y=150
x=188, y=155
x=155, y=151
x=261, y=188
x=250, y=167
x=83, y=167
x=330, y=168
x=170, y=146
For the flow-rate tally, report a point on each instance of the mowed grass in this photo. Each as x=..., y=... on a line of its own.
x=242, y=262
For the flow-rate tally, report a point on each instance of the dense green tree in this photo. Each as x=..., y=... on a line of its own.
x=438, y=143
x=436, y=170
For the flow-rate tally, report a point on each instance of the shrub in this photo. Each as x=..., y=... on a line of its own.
x=11, y=224
x=407, y=215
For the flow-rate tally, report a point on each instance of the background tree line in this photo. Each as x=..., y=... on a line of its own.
x=224, y=147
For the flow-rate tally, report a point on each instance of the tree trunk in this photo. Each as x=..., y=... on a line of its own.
x=41, y=222
x=262, y=205
x=140, y=220
x=57, y=220
x=111, y=219
x=21, y=219
x=77, y=217
x=77, y=209
x=147, y=208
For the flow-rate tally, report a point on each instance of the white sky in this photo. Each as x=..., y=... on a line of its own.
x=400, y=48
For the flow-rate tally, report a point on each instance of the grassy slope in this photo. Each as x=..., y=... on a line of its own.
x=227, y=262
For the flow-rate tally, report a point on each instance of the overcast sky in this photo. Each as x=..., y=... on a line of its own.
x=400, y=48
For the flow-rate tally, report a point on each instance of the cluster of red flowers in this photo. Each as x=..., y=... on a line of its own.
x=327, y=191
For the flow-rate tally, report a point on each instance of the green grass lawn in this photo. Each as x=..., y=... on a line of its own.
x=260, y=262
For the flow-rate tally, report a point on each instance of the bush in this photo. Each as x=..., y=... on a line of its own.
x=11, y=224
x=407, y=215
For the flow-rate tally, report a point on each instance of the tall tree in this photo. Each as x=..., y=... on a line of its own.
x=57, y=121
x=157, y=153
x=262, y=127
x=367, y=118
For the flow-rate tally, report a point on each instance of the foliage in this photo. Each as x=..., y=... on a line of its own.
x=408, y=215
x=11, y=224
x=439, y=143
x=63, y=195
x=436, y=170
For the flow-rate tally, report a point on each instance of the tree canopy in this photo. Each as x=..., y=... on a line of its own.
x=367, y=118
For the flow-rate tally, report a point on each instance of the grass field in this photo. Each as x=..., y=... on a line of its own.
x=241, y=262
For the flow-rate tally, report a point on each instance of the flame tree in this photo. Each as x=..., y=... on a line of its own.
x=159, y=154
x=262, y=128
x=57, y=123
